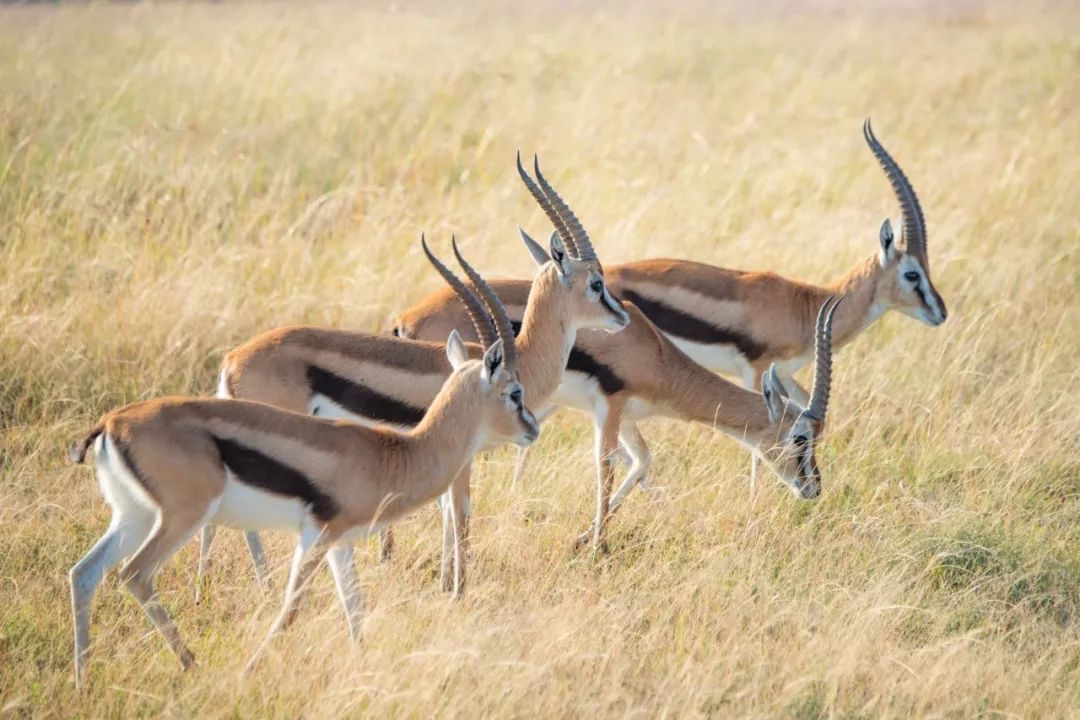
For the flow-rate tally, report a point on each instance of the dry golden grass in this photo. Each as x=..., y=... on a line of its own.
x=175, y=178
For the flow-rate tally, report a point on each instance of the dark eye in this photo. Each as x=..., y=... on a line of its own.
x=515, y=396
x=911, y=276
x=800, y=440
x=597, y=286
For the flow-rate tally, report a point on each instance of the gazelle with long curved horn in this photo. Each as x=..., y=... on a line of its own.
x=377, y=379
x=169, y=466
x=739, y=323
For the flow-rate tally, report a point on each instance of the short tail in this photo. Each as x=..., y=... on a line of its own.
x=77, y=452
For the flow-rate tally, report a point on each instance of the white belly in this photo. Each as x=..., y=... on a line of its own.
x=245, y=507
x=578, y=391
x=718, y=358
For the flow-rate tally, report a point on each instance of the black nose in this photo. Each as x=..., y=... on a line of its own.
x=810, y=490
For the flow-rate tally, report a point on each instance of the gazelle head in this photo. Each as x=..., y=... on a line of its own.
x=502, y=399
x=788, y=446
x=905, y=283
x=578, y=268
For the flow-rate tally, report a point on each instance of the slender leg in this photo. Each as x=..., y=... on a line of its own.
x=206, y=540
x=124, y=536
x=519, y=465
x=541, y=415
x=752, y=382
x=446, y=560
x=138, y=573
x=457, y=507
x=342, y=562
x=386, y=544
x=461, y=512
x=606, y=447
x=640, y=464
x=258, y=558
x=308, y=555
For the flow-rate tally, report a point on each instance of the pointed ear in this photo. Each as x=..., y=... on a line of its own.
x=538, y=255
x=493, y=360
x=888, y=243
x=455, y=350
x=558, y=254
x=775, y=394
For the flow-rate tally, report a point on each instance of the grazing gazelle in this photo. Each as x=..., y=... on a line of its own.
x=739, y=323
x=169, y=466
x=640, y=373
x=376, y=379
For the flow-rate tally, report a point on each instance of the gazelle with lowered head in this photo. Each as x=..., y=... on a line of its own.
x=378, y=379
x=740, y=323
x=167, y=467
x=640, y=373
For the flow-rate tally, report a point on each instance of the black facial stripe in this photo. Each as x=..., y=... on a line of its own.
x=689, y=327
x=361, y=400
x=258, y=470
x=610, y=304
x=922, y=296
x=583, y=362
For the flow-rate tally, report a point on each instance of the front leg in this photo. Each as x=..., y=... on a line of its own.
x=310, y=550
x=606, y=446
x=457, y=509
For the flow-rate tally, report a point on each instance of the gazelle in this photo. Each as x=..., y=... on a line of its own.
x=640, y=373
x=376, y=379
x=169, y=466
x=740, y=323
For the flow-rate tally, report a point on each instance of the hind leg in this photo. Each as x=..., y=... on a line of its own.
x=124, y=536
x=342, y=562
x=258, y=558
x=206, y=540
x=170, y=532
x=640, y=464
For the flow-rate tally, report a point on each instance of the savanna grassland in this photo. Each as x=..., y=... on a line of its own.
x=176, y=178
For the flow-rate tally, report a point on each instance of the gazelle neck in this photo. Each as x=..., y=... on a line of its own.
x=695, y=393
x=858, y=287
x=431, y=454
x=546, y=337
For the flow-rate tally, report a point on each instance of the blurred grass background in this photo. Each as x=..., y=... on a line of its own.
x=177, y=177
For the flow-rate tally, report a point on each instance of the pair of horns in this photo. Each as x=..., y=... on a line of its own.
x=558, y=212
x=488, y=316
x=914, y=226
x=819, y=395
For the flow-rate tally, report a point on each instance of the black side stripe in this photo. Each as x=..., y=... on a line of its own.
x=676, y=322
x=582, y=362
x=261, y=471
x=361, y=400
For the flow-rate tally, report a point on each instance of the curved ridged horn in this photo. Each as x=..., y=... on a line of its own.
x=914, y=228
x=545, y=204
x=819, y=395
x=578, y=237
x=496, y=309
x=485, y=328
